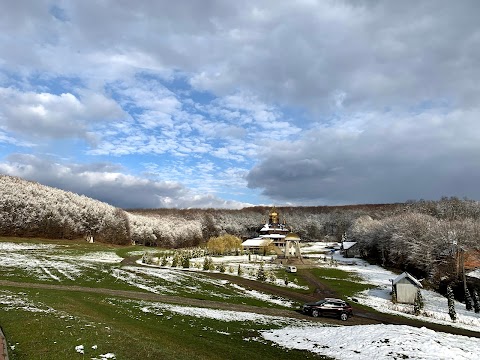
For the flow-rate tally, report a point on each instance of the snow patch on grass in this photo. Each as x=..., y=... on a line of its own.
x=13, y=301
x=265, y=297
x=221, y=315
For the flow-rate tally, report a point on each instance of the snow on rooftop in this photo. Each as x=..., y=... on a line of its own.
x=256, y=242
x=475, y=273
x=273, y=236
x=406, y=275
x=375, y=342
x=348, y=244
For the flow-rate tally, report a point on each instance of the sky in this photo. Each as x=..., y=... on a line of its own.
x=227, y=104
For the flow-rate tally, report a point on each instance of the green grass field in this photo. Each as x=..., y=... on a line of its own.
x=345, y=283
x=116, y=325
x=54, y=324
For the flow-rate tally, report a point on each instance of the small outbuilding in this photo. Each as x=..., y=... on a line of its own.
x=349, y=249
x=256, y=245
x=405, y=287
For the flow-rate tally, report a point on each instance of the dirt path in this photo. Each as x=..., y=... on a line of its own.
x=167, y=299
x=361, y=316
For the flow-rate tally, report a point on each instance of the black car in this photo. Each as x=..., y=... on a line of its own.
x=329, y=307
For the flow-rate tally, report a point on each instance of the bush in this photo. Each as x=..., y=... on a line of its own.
x=225, y=244
x=221, y=267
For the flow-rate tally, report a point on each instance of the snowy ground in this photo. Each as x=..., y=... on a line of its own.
x=345, y=342
x=376, y=342
x=379, y=298
x=65, y=264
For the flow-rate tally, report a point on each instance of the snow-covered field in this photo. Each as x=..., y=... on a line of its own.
x=58, y=263
x=66, y=264
x=376, y=342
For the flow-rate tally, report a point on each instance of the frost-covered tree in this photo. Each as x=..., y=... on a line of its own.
x=451, y=304
x=208, y=263
x=476, y=301
x=30, y=209
x=419, y=303
x=185, y=262
x=261, y=275
x=394, y=294
x=221, y=267
x=271, y=277
x=175, y=260
x=468, y=300
x=164, y=260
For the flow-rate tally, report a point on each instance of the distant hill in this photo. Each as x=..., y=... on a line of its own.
x=32, y=210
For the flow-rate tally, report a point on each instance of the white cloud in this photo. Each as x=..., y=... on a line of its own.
x=54, y=116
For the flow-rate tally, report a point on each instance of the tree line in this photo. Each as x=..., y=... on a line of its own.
x=423, y=237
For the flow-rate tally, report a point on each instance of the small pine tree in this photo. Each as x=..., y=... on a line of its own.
x=476, y=301
x=185, y=262
x=211, y=265
x=249, y=257
x=239, y=271
x=468, y=300
x=164, y=260
x=221, y=267
x=271, y=277
x=230, y=269
x=261, y=276
x=451, y=304
x=419, y=303
x=147, y=258
x=175, y=260
x=394, y=294
x=286, y=280
x=206, y=263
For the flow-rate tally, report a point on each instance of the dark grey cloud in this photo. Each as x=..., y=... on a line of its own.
x=421, y=156
x=106, y=182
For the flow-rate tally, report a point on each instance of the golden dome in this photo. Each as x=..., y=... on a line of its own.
x=292, y=236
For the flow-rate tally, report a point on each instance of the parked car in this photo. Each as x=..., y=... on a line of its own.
x=329, y=307
x=291, y=269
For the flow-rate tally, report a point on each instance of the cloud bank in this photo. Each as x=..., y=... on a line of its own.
x=306, y=102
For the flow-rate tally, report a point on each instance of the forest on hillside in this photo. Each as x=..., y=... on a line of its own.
x=418, y=236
